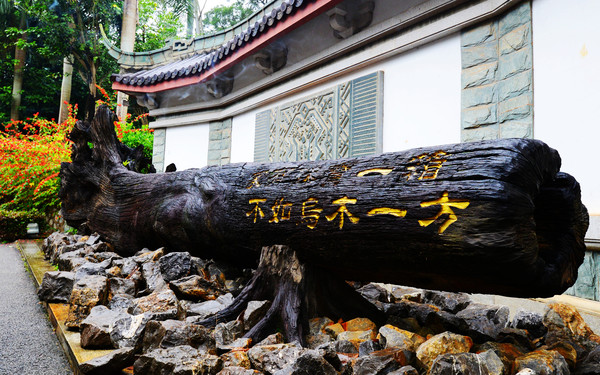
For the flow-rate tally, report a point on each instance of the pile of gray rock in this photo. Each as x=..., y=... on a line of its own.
x=147, y=307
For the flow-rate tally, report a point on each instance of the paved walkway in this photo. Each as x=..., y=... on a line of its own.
x=27, y=343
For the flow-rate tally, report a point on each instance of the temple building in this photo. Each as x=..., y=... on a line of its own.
x=327, y=79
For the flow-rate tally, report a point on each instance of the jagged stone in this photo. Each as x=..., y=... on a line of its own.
x=87, y=293
x=153, y=277
x=236, y=358
x=368, y=347
x=531, y=321
x=484, y=322
x=199, y=311
x=566, y=350
x=97, y=326
x=375, y=293
x=119, y=285
x=406, y=293
x=99, y=253
x=128, y=331
x=516, y=336
x=590, y=365
x=161, y=304
x=391, y=336
x=254, y=312
x=169, y=333
x=121, y=302
x=405, y=370
x=54, y=257
x=505, y=351
x=128, y=266
x=242, y=343
x=174, y=266
x=311, y=362
x=145, y=255
x=91, y=269
x=543, y=362
x=334, y=330
x=276, y=338
x=177, y=360
x=196, y=288
x=565, y=324
x=382, y=362
x=236, y=370
x=56, y=286
x=487, y=363
x=71, y=260
x=423, y=313
x=360, y=324
x=444, y=343
x=110, y=363
x=451, y=302
x=357, y=337
x=272, y=358
x=226, y=333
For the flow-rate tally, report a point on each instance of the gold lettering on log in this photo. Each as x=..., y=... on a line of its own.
x=427, y=166
x=281, y=211
x=446, y=204
x=387, y=211
x=311, y=212
x=375, y=171
x=343, y=210
x=256, y=211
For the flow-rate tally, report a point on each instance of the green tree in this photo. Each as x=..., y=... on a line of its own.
x=223, y=16
x=157, y=25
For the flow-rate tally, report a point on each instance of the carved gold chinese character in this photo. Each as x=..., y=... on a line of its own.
x=446, y=204
x=281, y=211
x=428, y=166
x=375, y=172
x=387, y=211
x=311, y=212
x=256, y=210
x=343, y=210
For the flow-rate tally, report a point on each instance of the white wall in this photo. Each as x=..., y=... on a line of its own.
x=566, y=55
x=187, y=146
x=242, y=137
x=421, y=99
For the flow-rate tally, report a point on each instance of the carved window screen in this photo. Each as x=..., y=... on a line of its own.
x=343, y=121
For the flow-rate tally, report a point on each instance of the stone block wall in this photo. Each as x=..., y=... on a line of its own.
x=497, y=78
x=219, y=142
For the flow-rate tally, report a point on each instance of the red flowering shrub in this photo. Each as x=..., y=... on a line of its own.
x=30, y=155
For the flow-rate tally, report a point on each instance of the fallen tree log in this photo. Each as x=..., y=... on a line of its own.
x=492, y=217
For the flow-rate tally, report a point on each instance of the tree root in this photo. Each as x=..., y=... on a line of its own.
x=299, y=292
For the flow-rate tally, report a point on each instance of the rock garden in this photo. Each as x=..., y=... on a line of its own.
x=147, y=307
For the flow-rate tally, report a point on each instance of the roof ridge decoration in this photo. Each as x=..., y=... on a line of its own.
x=197, y=60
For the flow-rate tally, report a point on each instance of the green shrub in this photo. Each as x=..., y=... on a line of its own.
x=13, y=224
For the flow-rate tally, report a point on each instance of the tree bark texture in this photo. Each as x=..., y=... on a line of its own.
x=493, y=217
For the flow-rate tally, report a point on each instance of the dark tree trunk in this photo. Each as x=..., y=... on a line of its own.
x=493, y=216
x=298, y=291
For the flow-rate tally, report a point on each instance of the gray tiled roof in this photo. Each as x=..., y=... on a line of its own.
x=201, y=62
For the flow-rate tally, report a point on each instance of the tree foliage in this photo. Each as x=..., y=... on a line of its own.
x=223, y=16
x=157, y=24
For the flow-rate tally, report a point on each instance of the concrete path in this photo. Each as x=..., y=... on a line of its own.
x=27, y=343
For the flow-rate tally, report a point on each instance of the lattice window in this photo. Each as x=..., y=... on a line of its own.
x=339, y=122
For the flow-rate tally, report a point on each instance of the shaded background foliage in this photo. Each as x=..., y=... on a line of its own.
x=31, y=149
